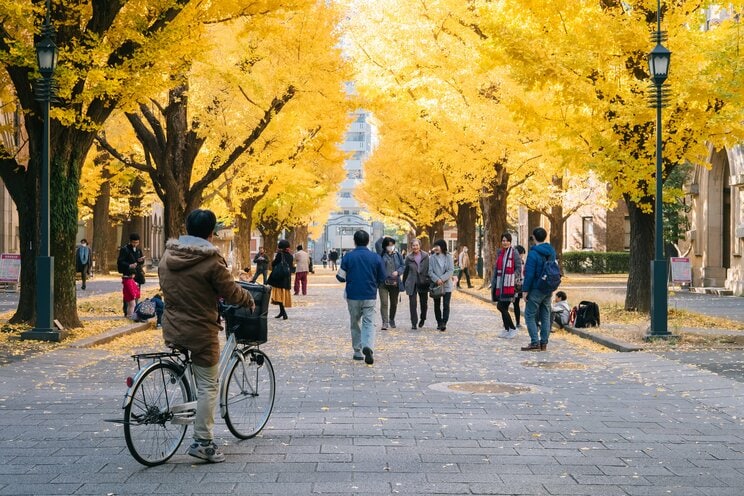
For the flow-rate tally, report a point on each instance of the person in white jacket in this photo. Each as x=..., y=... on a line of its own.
x=560, y=309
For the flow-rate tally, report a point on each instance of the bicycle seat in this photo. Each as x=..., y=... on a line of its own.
x=179, y=349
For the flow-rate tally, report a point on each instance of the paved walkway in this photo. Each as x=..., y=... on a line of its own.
x=427, y=418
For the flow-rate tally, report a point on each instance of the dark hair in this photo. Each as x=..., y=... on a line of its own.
x=441, y=244
x=387, y=240
x=283, y=244
x=520, y=249
x=134, y=237
x=84, y=241
x=200, y=223
x=540, y=234
x=507, y=236
x=157, y=296
x=361, y=238
x=299, y=247
x=561, y=295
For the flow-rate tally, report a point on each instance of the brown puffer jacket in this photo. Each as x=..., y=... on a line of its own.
x=193, y=275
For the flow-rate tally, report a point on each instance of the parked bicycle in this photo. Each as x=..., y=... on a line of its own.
x=161, y=400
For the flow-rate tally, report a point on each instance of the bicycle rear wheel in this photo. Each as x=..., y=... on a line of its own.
x=250, y=393
x=151, y=436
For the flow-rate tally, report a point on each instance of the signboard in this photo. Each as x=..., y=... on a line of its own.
x=681, y=271
x=10, y=267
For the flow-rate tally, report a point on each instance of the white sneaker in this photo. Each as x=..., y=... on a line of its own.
x=511, y=334
x=504, y=334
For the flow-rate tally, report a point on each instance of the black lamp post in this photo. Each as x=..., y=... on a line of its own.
x=46, y=56
x=658, y=62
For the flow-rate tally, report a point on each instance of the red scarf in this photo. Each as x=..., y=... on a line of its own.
x=504, y=287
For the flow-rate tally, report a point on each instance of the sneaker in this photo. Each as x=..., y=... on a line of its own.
x=206, y=451
x=511, y=334
x=358, y=355
x=504, y=334
x=392, y=324
x=368, y=358
x=159, y=326
x=384, y=327
x=413, y=327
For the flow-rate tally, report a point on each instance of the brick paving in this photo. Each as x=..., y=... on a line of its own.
x=631, y=424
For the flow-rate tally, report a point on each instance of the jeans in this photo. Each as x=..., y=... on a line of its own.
x=300, y=280
x=423, y=297
x=388, y=303
x=538, y=304
x=442, y=314
x=503, y=307
x=263, y=272
x=207, y=386
x=466, y=273
x=362, y=323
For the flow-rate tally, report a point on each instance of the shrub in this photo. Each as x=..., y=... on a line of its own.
x=596, y=262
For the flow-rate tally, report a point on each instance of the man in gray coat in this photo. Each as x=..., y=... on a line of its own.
x=416, y=282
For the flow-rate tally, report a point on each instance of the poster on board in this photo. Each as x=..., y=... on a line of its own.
x=681, y=270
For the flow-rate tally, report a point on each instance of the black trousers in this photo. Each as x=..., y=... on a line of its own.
x=517, y=311
x=442, y=308
x=467, y=277
x=503, y=307
x=423, y=297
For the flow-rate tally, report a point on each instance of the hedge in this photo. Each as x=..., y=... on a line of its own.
x=596, y=262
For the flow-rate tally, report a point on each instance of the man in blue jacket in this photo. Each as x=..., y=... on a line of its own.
x=537, y=301
x=363, y=272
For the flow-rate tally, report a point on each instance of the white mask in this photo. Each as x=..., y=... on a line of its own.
x=390, y=248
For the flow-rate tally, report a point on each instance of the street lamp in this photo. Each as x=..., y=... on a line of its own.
x=658, y=63
x=46, y=57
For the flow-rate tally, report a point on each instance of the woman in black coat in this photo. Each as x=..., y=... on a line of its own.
x=280, y=279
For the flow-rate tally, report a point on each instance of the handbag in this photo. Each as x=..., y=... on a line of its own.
x=436, y=291
x=391, y=281
x=139, y=275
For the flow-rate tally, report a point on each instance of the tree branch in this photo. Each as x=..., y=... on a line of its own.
x=101, y=140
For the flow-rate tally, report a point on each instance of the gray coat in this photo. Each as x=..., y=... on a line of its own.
x=442, y=267
x=415, y=274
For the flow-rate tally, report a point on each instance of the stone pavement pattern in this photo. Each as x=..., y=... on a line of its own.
x=588, y=423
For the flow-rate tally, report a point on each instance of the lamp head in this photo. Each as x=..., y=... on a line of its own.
x=658, y=63
x=46, y=54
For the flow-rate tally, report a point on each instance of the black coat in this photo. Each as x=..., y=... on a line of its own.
x=281, y=278
x=127, y=256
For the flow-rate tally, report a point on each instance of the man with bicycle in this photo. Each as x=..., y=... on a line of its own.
x=193, y=275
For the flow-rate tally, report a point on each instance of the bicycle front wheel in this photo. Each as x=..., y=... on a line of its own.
x=249, y=394
x=151, y=436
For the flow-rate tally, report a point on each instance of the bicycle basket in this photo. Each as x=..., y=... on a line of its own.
x=249, y=328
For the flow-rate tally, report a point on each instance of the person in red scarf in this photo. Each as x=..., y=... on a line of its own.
x=507, y=276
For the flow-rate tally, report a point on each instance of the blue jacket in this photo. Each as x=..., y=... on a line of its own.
x=533, y=267
x=364, y=273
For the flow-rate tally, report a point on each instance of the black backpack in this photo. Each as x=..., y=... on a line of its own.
x=550, y=276
x=587, y=314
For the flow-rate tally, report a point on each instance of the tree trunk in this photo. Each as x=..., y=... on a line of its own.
x=28, y=233
x=638, y=295
x=100, y=244
x=556, y=222
x=493, y=206
x=466, y=217
x=298, y=236
x=270, y=236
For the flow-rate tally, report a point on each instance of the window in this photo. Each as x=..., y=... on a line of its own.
x=358, y=155
x=587, y=233
x=361, y=118
x=344, y=194
x=354, y=174
x=354, y=136
x=626, y=233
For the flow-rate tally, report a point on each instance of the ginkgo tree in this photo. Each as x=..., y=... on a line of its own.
x=588, y=68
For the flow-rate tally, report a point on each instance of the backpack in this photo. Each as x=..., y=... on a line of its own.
x=550, y=276
x=587, y=314
x=145, y=309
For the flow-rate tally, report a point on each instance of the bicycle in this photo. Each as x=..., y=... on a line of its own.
x=160, y=401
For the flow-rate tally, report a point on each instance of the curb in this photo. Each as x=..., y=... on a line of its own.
x=110, y=335
x=605, y=341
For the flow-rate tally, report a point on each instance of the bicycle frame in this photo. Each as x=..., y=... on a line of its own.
x=184, y=413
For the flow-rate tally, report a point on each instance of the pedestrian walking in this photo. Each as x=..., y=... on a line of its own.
x=324, y=259
x=507, y=276
x=280, y=279
x=302, y=264
x=463, y=261
x=363, y=272
x=333, y=258
x=262, y=264
x=537, y=300
x=416, y=283
x=391, y=288
x=83, y=261
x=518, y=288
x=441, y=269
x=130, y=264
x=193, y=275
